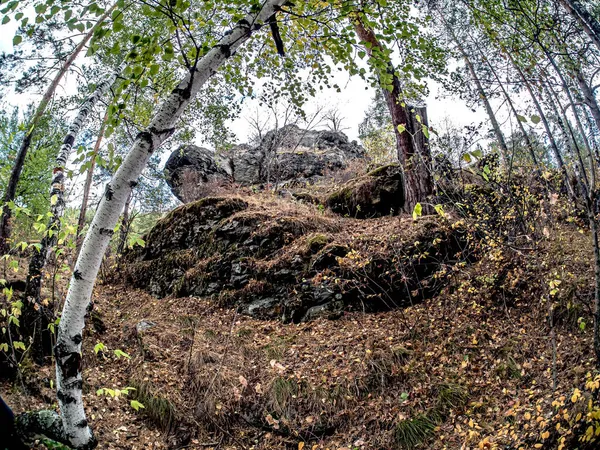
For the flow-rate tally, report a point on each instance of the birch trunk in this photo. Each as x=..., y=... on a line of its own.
x=589, y=24
x=15, y=175
x=88, y=185
x=557, y=154
x=68, y=347
x=34, y=317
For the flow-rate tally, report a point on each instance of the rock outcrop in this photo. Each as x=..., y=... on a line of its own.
x=191, y=168
x=288, y=155
x=378, y=193
x=292, y=262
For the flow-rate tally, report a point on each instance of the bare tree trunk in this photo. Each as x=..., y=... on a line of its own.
x=544, y=119
x=15, y=175
x=35, y=317
x=415, y=160
x=511, y=106
x=484, y=98
x=589, y=24
x=124, y=231
x=68, y=348
x=88, y=184
x=588, y=97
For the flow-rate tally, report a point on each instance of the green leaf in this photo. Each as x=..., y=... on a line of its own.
x=426, y=131
x=521, y=118
x=401, y=128
x=536, y=119
x=417, y=211
x=5, y=20
x=17, y=40
x=136, y=405
x=119, y=353
x=440, y=210
x=99, y=347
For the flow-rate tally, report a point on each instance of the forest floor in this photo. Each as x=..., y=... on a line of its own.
x=481, y=365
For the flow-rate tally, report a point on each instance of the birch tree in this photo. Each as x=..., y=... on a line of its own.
x=33, y=316
x=75, y=428
x=11, y=189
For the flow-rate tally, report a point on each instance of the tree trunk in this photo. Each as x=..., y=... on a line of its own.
x=557, y=154
x=413, y=150
x=124, y=231
x=88, y=185
x=511, y=106
x=565, y=126
x=68, y=347
x=34, y=315
x=588, y=97
x=486, y=102
x=589, y=24
x=15, y=175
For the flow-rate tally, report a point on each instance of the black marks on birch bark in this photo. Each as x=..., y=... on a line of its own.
x=106, y=231
x=77, y=275
x=109, y=192
x=69, y=140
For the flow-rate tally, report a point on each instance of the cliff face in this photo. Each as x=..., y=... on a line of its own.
x=276, y=258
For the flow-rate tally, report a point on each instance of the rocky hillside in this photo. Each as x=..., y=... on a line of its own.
x=275, y=258
x=252, y=320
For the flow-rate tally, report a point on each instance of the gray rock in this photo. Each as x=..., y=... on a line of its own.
x=188, y=168
x=379, y=193
x=144, y=325
x=288, y=156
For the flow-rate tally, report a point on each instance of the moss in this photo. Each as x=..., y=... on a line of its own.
x=316, y=242
x=383, y=170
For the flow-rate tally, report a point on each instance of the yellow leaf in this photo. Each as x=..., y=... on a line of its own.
x=527, y=416
x=545, y=435
x=300, y=445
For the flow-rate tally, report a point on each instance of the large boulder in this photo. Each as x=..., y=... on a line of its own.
x=293, y=263
x=190, y=169
x=378, y=193
x=285, y=156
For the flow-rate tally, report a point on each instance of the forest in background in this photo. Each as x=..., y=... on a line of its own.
x=115, y=87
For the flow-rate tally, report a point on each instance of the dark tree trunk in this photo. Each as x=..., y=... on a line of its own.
x=124, y=231
x=412, y=147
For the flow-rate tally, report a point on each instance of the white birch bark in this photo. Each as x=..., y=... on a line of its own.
x=57, y=189
x=68, y=347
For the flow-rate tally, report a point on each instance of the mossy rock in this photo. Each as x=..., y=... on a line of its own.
x=378, y=193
